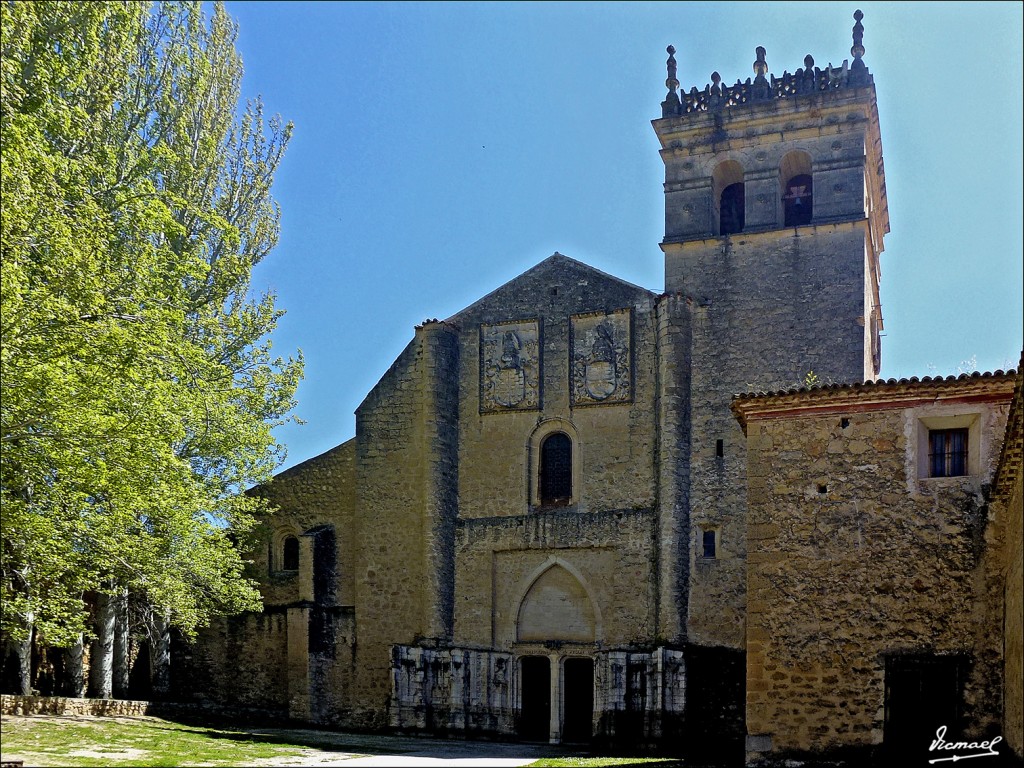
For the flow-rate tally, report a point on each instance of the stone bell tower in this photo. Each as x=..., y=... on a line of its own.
x=775, y=211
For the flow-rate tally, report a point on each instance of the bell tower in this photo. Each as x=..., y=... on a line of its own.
x=775, y=212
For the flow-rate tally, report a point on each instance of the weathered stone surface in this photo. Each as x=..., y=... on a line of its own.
x=840, y=580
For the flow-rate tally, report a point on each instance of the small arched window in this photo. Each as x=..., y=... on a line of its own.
x=729, y=197
x=556, y=469
x=731, y=207
x=799, y=200
x=797, y=186
x=290, y=554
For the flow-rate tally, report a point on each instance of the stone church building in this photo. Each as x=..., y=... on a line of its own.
x=558, y=522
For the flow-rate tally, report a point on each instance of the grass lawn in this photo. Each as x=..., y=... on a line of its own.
x=601, y=762
x=46, y=740
x=72, y=741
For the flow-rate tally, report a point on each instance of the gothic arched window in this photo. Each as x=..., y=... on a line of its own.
x=556, y=469
x=290, y=554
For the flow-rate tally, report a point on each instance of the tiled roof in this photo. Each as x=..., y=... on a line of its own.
x=878, y=383
x=825, y=398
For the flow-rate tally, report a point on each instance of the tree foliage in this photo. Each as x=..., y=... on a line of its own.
x=138, y=385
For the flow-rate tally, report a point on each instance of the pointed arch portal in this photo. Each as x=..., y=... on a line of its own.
x=556, y=607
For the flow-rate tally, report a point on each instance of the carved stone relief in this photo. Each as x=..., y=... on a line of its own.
x=601, y=358
x=510, y=366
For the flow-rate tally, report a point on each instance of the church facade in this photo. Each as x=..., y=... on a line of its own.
x=555, y=522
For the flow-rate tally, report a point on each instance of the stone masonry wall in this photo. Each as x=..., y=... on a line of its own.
x=266, y=660
x=674, y=375
x=615, y=445
x=1013, y=584
x=768, y=304
x=766, y=309
x=499, y=558
x=452, y=690
x=407, y=474
x=391, y=579
x=615, y=441
x=1005, y=574
x=316, y=492
x=837, y=131
x=241, y=661
x=849, y=560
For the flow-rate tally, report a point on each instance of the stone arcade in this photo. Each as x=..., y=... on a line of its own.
x=554, y=522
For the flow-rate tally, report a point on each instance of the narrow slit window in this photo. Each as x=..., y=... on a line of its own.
x=947, y=452
x=556, y=470
x=719, y=448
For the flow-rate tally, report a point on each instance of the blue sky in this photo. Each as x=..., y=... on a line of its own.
x=441, y=149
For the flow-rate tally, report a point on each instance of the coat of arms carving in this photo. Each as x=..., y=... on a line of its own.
x=601, y=365
x=510, y=366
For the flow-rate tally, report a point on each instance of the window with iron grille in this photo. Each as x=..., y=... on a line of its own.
x=947, y=452
x=556, y=469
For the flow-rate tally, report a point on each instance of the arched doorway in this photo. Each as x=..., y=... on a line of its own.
x=557, y=623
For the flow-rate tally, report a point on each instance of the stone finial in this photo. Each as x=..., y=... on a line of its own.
x=671, y=82
x=671, y=105
x=857, y=51
x=715, y=92
x=761, y=89
x=807, y=79
x=760, y=66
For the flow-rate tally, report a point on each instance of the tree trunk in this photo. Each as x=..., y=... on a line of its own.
x=122, y=665
x=23, y=648
x=101, y=655
x=160, y=655
x=74, y=670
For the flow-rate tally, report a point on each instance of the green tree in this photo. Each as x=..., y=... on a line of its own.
x=138, y=385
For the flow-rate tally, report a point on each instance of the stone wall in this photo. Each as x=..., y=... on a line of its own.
x=766, y=305
x=1005, y=576
x=837, y=131
x=613, y=439
x=1013, y=668
x=240, y=661
x=640, y=696
x=391, y=580
x=611, y=553
x=674, y=375
x=450, y=690
x=853, y=559
x=758, y=321
x=316, y=492
x=295, y=658
x=60, y=705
